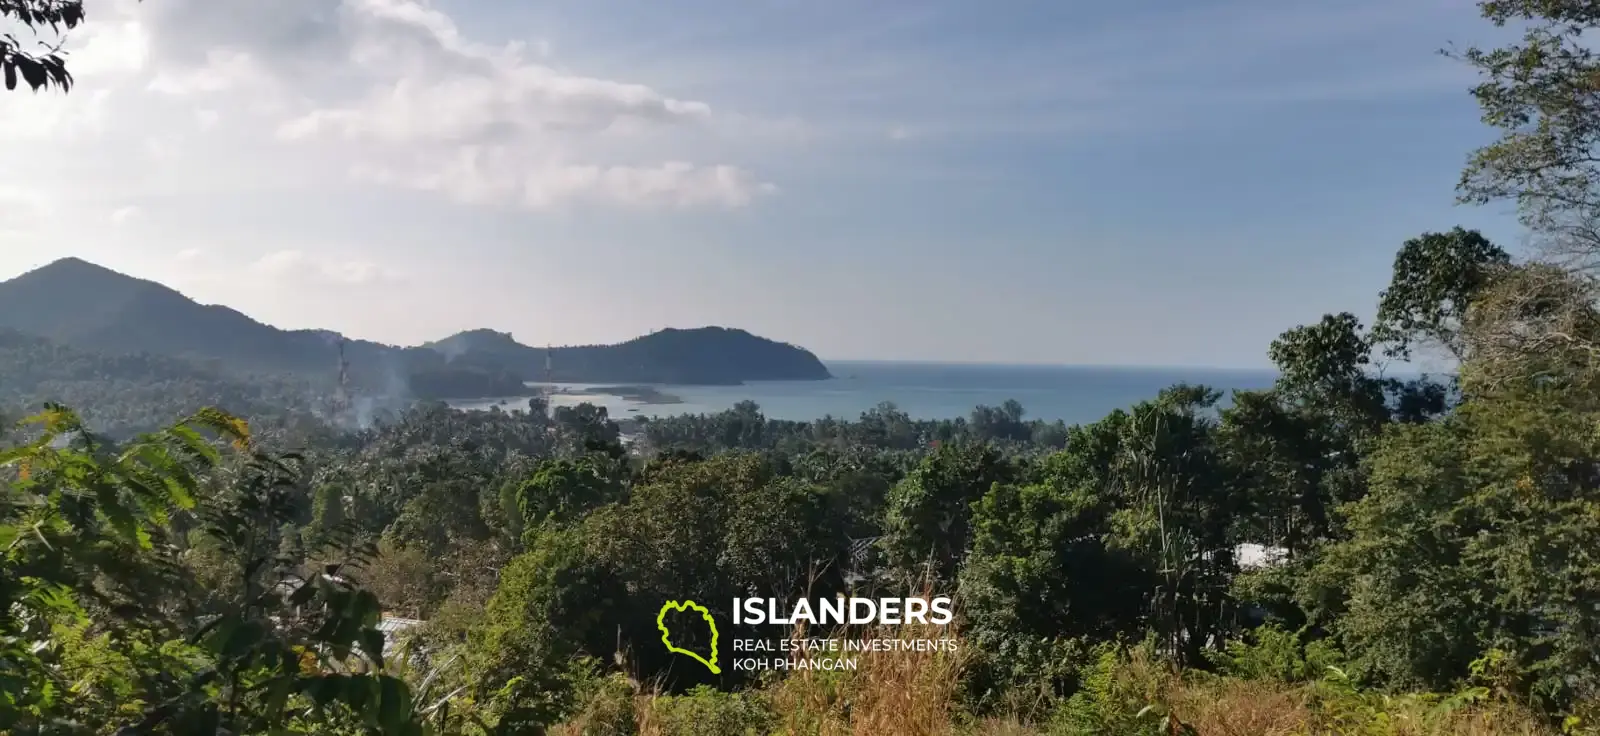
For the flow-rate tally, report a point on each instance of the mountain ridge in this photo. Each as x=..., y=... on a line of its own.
x=88, y=306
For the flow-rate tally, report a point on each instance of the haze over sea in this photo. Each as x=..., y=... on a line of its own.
x=1074, y=394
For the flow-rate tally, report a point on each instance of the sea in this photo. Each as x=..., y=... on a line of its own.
x=1073, y=394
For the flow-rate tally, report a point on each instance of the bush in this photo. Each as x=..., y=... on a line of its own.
x=1122, y=693
x=606, y=708
x=704, y=711
x=1024, y=676
x=1270, y=653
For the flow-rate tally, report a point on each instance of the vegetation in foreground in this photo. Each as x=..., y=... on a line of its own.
x=1436, y=576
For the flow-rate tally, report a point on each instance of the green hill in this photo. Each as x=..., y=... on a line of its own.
x=704, y=355
x=76, y=303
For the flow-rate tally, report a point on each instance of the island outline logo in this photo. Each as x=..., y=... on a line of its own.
x=666, y=635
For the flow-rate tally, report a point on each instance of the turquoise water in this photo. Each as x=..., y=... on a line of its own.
x=1075, y=394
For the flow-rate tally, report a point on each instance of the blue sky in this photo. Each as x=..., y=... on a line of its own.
x=1154, y=183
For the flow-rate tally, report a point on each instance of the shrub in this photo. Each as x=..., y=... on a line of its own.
x=1023, y=676
x=1271, y=653
x=606, y=708
x=705, y=711
x=1122, y=693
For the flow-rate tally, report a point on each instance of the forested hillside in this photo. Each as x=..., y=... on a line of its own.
x=1428, y=565
x=705, y=355
x=123, y=395
x=92, y=308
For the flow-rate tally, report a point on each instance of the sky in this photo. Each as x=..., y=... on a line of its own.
x=1169, y=182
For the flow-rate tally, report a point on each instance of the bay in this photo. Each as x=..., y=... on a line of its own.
x=1074, y=394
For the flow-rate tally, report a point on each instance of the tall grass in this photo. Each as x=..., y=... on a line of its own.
x=910, y=693
x=1125, y=692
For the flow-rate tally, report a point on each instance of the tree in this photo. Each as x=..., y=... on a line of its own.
x=1324, y=368
x=1473, y=539
x=327, y=514
x=556, y=608
x=38, y=70
x=444, y=515
x=1538, y=323
x=1437, y=278
x=668, y=542
x=1003, y=423
x=1394, y=594
x=1041, y=576
x=928, y=520
x=87, y=534
x=1178, y=504
x=787, y=537
x=561, y=491
x=1326, y=385
x=1282, y=458
x=1540, y=93
x=744, y=426
x=404, y=578
x=587, y=428
x=885, y=425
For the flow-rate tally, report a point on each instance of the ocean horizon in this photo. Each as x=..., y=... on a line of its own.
x=923, y=390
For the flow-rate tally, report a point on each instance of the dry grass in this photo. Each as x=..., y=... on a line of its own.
x=916, y=694
x=1215, y=706
x=903, y=693
x=1239, y=707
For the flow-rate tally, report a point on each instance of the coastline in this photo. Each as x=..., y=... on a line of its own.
x=922, y=391
x=644, y=395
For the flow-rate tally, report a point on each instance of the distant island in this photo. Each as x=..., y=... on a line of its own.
x=95, y=310
x=701, y=356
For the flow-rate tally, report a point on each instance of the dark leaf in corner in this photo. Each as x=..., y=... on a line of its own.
x=32, y=71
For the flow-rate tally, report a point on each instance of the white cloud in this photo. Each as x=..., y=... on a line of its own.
x=672, y=184
x=125, y=215
x=163, y=147
x=110, y=50
x=101, y=54
x=50, y=115
x=495, y=175
x=391, y=91
x=480, y=124
x=223, y=70
x=298, y=266
x=21, y=212
x=514, y=103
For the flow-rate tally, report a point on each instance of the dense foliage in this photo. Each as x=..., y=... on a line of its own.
x=142, y=591
x=122, y=395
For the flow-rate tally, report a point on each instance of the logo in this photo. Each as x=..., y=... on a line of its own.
x=880, y=611
x=666, y=635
